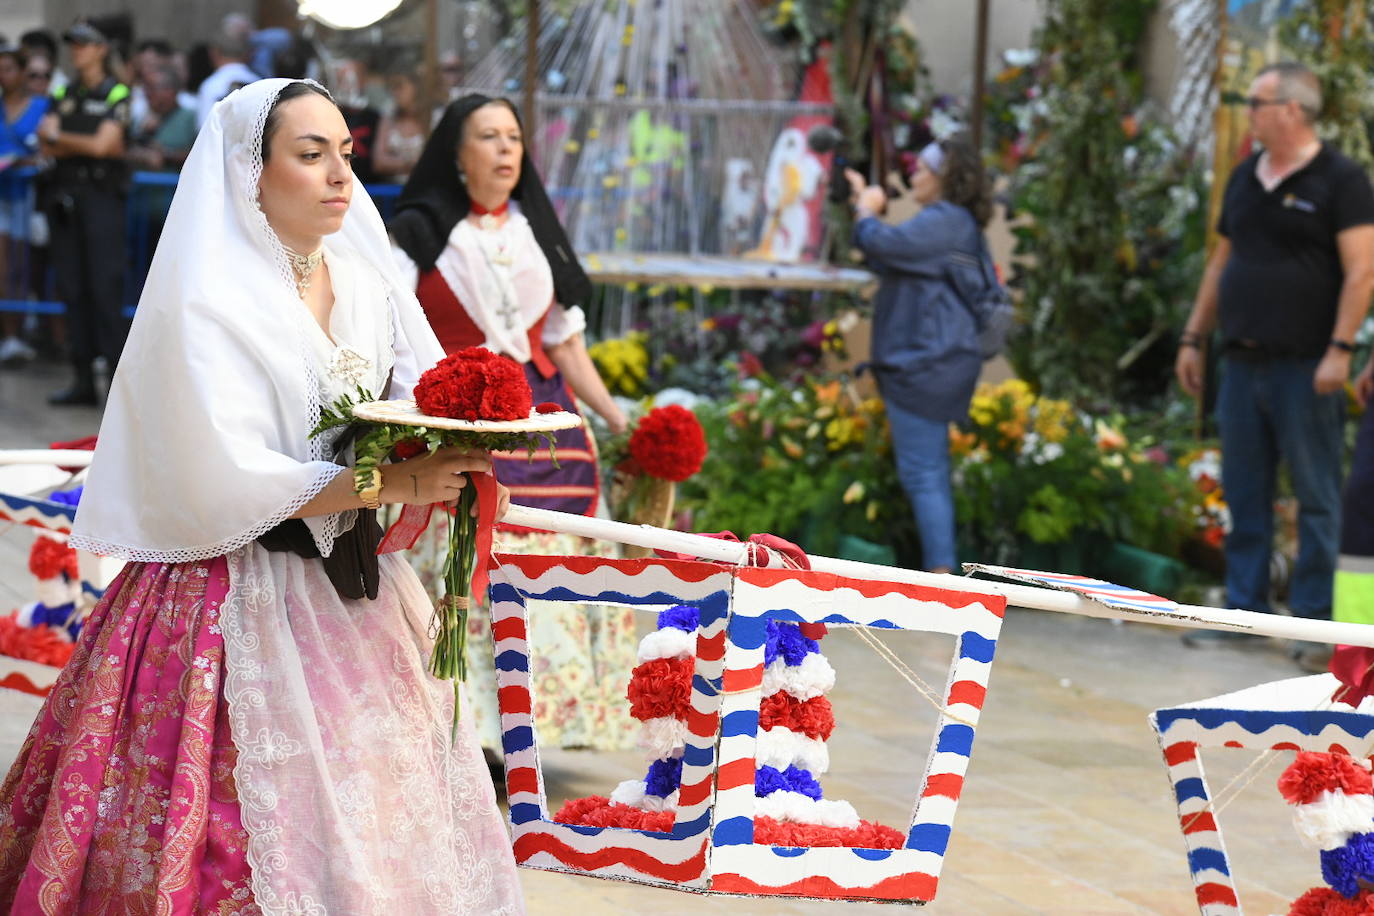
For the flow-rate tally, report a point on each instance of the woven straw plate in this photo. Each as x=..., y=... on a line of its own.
x=405, y=412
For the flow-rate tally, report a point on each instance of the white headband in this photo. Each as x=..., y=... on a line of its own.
x=933, y=157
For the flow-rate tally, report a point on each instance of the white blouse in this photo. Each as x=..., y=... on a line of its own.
x=503, y=280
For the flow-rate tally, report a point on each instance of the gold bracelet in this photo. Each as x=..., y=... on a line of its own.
x=371, y=495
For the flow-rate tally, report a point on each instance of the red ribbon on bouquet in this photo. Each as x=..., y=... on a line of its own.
x=406, y=530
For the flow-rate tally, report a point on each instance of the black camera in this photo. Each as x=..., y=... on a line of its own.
x=827, y=138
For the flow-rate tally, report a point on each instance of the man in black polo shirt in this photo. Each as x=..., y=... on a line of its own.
x=85, y=134
x=1290, y=280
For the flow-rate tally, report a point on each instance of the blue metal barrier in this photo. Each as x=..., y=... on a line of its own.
x=150, y=194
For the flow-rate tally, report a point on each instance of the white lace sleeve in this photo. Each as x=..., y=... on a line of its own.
x=563, y=324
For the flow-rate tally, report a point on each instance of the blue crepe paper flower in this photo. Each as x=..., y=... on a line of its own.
x=1343, y=867
x=786, y=639
x=681, y=617
x=768, y=780
x=66, y=497
x=664, y=777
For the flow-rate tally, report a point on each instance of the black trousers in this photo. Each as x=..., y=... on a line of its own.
x=88, y=254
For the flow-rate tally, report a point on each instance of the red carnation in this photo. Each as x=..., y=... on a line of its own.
x=668, y=443
x=1311, y=773
x=661, y=687
x=475, y=384
x=409, y=448
x=50, y=558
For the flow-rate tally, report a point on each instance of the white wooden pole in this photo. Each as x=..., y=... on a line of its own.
x=67, y=458
x=1018, y=595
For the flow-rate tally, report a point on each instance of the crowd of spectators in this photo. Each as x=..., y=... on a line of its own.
x=165, y=93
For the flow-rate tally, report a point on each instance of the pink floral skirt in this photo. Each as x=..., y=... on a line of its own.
x=122, y=801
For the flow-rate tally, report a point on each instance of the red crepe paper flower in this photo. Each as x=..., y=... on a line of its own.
x=868, y=835
x=661, y=687
x=1311, y=773
x=668, y=443
x=36, y=644
x=475, y=384
x=600, y=811
x=50, y=558
x=813, y=718
x=1323, y=901
x=548, y=407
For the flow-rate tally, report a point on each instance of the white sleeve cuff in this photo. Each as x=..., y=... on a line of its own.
x=563, y=324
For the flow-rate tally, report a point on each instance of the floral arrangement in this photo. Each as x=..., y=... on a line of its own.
x=1333, y=811
x=809, y=460
x=795, y=721
x=662, y=447
x=623, y=363
x=668, y=443
x=472, y=384
x=1211, y=516
x=45, y=630
x=475, y=384
x=1032, y=468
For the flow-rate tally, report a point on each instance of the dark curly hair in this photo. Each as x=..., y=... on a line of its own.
x=963, y=180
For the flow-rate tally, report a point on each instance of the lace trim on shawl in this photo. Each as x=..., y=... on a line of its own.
x=219, y=548
x=330, y=529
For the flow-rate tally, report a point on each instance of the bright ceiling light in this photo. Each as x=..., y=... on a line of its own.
x=346, y=14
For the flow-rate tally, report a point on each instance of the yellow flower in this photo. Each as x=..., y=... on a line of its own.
x=792, y=449
x=682, y=305
x=572, y=146
x=709, y=324
x=854, y=493
x=872, y=513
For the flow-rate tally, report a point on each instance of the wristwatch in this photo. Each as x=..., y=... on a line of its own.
x=1346, y=345
x=371, y=495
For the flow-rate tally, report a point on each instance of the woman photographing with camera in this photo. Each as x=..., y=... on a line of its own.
x=926, y=353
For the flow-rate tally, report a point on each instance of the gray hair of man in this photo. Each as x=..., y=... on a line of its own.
x=164, y=76
x=232, y=45
x=1298, y=84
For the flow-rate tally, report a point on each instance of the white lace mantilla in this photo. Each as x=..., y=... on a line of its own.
x=355, y=800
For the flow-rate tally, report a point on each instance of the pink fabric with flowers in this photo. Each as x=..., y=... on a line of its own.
x=123, y=800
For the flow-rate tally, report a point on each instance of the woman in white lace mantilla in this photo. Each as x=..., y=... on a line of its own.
x=247, y=724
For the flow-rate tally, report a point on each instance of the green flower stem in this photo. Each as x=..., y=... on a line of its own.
x=449, y=660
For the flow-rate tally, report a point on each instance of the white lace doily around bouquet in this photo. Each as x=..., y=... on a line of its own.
x=405, y=413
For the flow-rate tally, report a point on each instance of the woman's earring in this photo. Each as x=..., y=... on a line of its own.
x=462, y=176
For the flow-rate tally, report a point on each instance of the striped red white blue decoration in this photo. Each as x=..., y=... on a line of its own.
x=1118, y=597
x=1292, y=715
x=37, y=513
x=711, y=846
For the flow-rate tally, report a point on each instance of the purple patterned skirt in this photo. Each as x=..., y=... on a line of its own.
x=574, y=486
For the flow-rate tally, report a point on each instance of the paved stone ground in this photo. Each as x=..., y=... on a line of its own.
x=1067, y=808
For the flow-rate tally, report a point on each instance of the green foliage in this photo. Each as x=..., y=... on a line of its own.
x=1333, y=38
x=1030, y=469
x=809, y=461
x=1111, y=250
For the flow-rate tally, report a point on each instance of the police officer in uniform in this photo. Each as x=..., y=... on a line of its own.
x=85, y=134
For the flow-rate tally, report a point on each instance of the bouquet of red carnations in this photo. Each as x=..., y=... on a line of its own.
x=473, y=399
x=664, y=447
